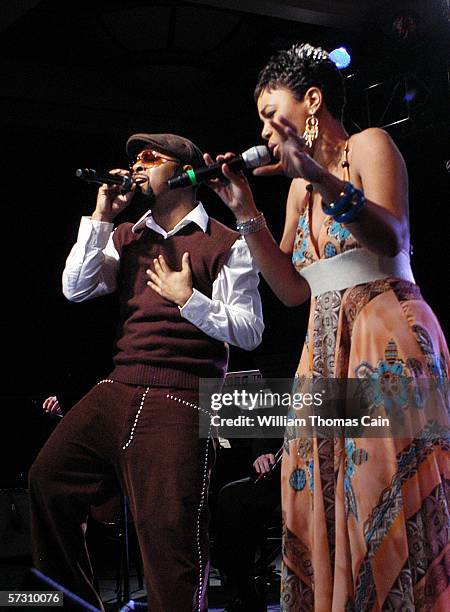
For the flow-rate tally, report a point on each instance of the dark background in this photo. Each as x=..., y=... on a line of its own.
x=79, y=77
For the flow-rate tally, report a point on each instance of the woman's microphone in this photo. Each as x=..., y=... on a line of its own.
x=252, y=158
x=90, y=175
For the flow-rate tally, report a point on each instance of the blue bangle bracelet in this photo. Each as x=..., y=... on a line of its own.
x=351, y=215
x=343, y=203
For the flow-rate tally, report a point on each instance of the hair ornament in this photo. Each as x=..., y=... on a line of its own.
x=306, y=50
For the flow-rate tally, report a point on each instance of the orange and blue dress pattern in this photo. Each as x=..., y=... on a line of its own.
x=366, y=521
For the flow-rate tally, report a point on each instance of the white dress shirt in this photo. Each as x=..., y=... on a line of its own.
x=233, y=314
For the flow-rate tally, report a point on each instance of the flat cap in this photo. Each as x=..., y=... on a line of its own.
x=171, y=144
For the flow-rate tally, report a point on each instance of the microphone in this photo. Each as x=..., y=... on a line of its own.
x=90, y=175
x=252, y=158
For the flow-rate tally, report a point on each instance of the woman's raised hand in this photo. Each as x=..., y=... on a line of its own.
x=294, y=160
x=233, y=188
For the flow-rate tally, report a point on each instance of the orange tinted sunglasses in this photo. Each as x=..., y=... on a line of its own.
x=148, y=157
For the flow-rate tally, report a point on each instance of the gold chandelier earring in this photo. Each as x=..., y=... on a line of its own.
x=311, y=130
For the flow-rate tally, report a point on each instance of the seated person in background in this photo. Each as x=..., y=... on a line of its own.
x=74, y=384
x=243, y=508
x=52, y=406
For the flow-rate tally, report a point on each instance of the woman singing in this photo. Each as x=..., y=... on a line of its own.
x=366, y=520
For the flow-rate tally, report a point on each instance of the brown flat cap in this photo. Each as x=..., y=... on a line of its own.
x=176, y=146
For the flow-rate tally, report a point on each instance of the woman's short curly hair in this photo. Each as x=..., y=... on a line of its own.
x=301, y=67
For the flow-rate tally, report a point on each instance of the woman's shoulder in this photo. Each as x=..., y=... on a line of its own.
x=371, y=145
x=368, y=138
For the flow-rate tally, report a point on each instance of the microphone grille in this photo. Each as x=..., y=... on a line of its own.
x=257, y=156
x=85, y=173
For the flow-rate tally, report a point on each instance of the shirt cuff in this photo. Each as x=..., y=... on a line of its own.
x=195, y=309
x=95, y=232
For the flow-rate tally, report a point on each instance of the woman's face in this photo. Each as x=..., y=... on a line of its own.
x=275, y=102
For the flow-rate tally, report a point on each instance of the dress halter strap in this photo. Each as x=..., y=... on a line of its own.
x=345, y=163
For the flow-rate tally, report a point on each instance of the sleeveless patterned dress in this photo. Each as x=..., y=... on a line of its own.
x=366, y=522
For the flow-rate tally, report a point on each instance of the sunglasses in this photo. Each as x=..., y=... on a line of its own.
x=149, y=157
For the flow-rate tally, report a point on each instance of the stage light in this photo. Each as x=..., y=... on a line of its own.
x=340, y=57
x=410, y=95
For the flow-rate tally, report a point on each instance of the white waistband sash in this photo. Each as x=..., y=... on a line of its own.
x=355, y=267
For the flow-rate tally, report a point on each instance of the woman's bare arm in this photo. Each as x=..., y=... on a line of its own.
x=379, y=170
x=275, y=262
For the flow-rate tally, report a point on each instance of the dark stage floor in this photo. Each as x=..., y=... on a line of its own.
x=14, y=575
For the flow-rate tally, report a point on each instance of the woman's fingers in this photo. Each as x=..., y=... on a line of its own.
x=208, y=159
x=291, y=130
x=230, y=176
x=282, y=119
x=269, y=170
x=220, y=181
x=226, y=156
x=280, y=130
x=299, y=141
x=219, y=158
x=288, y=131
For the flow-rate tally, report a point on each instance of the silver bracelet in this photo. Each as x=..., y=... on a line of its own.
x=252, y=225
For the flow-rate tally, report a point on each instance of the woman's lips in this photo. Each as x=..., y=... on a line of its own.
x=275, y=150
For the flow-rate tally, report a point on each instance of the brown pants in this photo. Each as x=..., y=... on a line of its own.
x=148, y=443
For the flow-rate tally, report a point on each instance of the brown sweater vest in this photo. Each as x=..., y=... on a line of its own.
x=156, y=345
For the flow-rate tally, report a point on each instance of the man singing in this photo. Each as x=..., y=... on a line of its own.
x=188, y=287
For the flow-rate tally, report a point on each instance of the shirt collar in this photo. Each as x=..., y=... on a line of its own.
x=197, y=215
